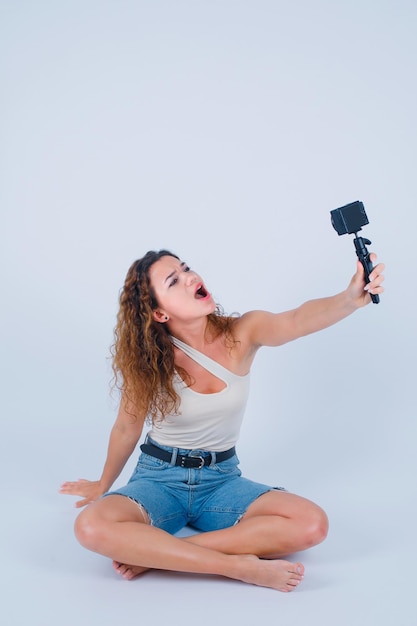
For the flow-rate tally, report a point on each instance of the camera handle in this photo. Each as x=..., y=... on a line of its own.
x=363, y=256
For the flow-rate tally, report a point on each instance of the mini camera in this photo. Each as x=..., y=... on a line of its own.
x=349, y=219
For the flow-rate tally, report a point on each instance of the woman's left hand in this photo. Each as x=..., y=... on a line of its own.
x=358, y=290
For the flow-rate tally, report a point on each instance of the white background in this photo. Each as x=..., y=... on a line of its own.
x=226, y=131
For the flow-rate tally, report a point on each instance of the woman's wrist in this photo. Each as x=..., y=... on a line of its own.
x=105, y=484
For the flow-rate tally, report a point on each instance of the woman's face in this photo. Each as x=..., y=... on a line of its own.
x=180, y=292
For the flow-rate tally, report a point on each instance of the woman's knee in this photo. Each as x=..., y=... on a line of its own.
x=96, y=523
x=316, y=527
x=88, y=530
x=85, y=528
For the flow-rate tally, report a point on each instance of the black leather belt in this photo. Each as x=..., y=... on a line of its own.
x=196, y=462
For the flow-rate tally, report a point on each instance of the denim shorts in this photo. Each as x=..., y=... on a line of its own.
x=213, y=497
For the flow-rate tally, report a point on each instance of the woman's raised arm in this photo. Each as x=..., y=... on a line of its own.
x=273, y=329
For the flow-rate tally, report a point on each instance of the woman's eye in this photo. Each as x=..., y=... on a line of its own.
x=187, y=269
x=173, y=282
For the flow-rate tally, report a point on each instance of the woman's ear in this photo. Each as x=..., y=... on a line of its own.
x=159, y=316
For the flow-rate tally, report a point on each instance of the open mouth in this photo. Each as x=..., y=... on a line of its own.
x=201, y=292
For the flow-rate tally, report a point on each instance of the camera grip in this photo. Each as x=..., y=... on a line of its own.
x=364, y=257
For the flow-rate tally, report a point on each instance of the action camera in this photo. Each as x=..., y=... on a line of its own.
x=349, y=219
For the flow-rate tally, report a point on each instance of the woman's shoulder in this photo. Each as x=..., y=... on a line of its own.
x=246, y=329
x=250, y=320
x=263, y=328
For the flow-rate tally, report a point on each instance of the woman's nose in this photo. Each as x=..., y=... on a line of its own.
x=191, y=278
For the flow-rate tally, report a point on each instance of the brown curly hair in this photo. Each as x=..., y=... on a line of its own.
x=143, y=353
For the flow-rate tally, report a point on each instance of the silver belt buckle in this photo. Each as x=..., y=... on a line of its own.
x=201, y=458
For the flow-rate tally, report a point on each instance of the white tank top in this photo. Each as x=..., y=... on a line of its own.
x=206, y=421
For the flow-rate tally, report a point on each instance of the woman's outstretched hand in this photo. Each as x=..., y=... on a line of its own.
x=358, y=290
x=89, y=490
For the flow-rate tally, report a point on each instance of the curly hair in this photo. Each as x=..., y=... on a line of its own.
x=143, y=353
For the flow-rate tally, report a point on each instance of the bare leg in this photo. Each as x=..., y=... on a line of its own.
x=115, y=528
x=275, y=525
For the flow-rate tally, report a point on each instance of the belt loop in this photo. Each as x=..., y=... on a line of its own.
x=174, y=456
x=213, y=459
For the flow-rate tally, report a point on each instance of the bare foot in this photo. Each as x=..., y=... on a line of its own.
x=128, y=572
x=276, y=574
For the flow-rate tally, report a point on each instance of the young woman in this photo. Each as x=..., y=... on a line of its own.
x=183, y=367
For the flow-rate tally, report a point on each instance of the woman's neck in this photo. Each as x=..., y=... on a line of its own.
x=196, y=335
